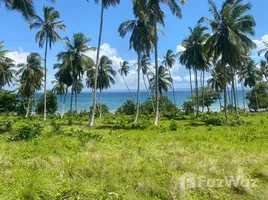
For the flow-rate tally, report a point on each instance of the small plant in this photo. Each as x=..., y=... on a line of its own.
x=173, y=125
x=70, y=121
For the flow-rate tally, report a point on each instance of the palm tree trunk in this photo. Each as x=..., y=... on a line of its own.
x=257, y=103
x=28, y=107
x=219, y=100
x=149, y=93
x=76, y=102
x=234, y=94
x=138, y=90
x=156, y=70
x=62, y=111
x=203, y=96
x=60, y=102
x=71, y=105
x=174, y=99
x=191, y=86
x=45, y=82
x=225, y=95
x=91, y=123
x=100, y=109
x=128, y=89
x=196, y=93
x=243, y=91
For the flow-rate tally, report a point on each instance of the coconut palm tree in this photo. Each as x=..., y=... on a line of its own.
x=194, y=56
x=164, y=80
x=31, y=76
x=124, y=71
x=169, y=62
x=264, y=50
x=105, y=4
x=140, y=40
x=6, y=68
x=264, y=69
x=25, y=7
x=215, y=82
x=106, y=76
x=77, y=87
x=156, y=17
x=47, y=35
x=229, y=40
x=74, y=60
x=59, y=88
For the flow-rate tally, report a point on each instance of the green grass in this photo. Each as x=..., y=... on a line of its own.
x=117, y=160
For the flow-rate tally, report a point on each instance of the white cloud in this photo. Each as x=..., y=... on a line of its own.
x=177, y=78
x=18, y=57
x=180, y=48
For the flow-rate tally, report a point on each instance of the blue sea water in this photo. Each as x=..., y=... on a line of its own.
x=115, y=99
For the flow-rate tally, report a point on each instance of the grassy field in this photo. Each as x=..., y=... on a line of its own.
x=64, y=159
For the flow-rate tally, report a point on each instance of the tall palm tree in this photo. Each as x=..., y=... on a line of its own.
x=106, y=76
x=194, y=56
x=124, y=71
x=264, y=69
x=156, y=17
x=164, y=80
x=264, y=50
x=77, y=87
x=6, y=68
x=31, y=76
x=140, y=40
x=231, y=27
x=105, y=4
x=169, y=62
x=74, y=60
x=47, y=35
x=145, y=68
x=215, y=82
x=59, y=88
x=25, y=7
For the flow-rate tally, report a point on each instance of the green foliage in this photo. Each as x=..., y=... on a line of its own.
x=52, y=103
x=261, y=89
x=173, y=125
x=8, y=101
x=128, y=108
x=187, y=106
x=26, y=132
x=104, y=110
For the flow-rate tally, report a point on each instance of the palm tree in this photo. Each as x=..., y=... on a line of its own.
x=106, y=76
x=6, y=68
x=216, y=82
x=155, y=15
x=124, y=71
x=140, y=40
x=31, y=75
x=47, y=36
x=164, y=80
x=105, y=4
x=229, y=40
x=74, y=60
x=169, y=62
x=145, y=68
x=59, y=89
x=25, y=7
x=194, y=56
x=77, y=87
x=264, y=51
x=264, y=69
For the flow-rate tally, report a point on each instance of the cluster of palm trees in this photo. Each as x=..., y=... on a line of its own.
x=225, y=53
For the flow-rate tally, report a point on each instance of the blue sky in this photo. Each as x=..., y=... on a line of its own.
x=83, y=16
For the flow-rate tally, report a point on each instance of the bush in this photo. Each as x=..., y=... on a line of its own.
x=173, y=125
x=188, y=107
x=128, y=108
x=104, y=110
x=52, y=103
x=8, y=101
x=27, y=132
x=261, y=89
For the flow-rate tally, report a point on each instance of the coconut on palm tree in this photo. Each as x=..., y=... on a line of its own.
x=229, y=40
x=141, y=29
x=105, y=4
x=30, y=77
x=194, y=56
x=47, y=35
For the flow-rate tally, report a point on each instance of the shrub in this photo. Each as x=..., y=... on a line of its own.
x=8, y=101
x=104, y=110
x=27, y=132
x=188, y=107
x=128, y=108
x=52, y=103
x=261, y=90
x=173, y=125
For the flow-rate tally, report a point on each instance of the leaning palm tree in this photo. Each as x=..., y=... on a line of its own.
x=169, y=62
x=74, y=59
x=6, y=68
x=124, y=71
x=164, y=80
x=229, y=41
x=264, y=69
x=25, y=7
x=47, y=36
x=140, y=40
x=156, y=17
x=264, y=50
x=106, y=77
x=31, y=76
x=194, y=56
x=105, y=4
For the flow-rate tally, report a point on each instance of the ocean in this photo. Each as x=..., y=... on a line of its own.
x=115, y=99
